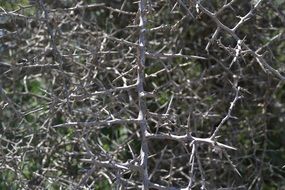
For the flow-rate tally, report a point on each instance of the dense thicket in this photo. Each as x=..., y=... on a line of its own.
x=149, y=94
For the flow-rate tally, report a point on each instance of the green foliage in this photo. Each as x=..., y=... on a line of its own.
x=28, y=167
x=7, y=178
x=10, y=5
x=103, y=185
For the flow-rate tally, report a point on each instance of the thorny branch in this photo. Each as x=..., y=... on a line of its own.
x=140, y=95
x=140, y=88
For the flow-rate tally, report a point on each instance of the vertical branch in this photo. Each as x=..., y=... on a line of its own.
x=140, y=89
x=56, y=53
